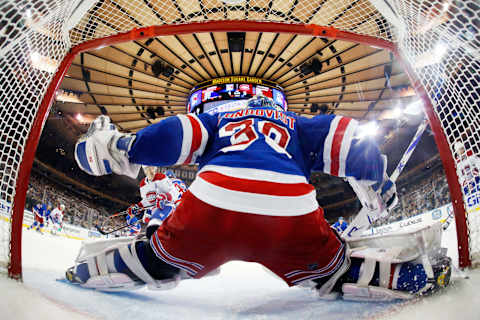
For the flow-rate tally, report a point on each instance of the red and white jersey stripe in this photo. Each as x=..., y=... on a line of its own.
x=195, y=138
x=254, y=191
x=337, y=145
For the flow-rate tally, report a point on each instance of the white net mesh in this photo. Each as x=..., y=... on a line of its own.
x=32, y=43
x=441, y=41
x=109, y=17
x=35, y=36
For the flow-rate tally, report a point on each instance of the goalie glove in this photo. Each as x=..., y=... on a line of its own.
x=103, y=150
x=388, y=192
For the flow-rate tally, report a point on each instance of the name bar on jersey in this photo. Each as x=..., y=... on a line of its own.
x=267, y=113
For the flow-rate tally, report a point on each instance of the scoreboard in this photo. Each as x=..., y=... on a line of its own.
x=231, y=93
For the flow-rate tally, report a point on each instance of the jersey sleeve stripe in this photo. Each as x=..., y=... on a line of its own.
x=195, y=138
x=201, y=132
x=187, y=138
x=337, y=145
x=345, y=149
x=327, y=148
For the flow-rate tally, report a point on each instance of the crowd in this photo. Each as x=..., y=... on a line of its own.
x=79, y=211
x=418, y=195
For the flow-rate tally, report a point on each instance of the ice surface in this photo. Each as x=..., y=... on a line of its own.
x=241, y=291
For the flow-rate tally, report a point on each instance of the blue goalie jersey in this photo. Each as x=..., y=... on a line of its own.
x=258, y=160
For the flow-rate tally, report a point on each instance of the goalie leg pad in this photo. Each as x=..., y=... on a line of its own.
x=376, y=275
x=124, y=266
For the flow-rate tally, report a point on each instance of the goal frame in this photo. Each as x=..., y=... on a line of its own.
x=15, y=263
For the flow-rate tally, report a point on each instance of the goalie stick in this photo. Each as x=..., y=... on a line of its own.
x=372, y=205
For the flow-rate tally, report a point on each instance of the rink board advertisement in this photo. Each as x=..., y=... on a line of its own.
x=443, y=214
x=68, y=231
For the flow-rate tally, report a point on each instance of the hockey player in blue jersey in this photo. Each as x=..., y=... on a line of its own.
x=133, y=223
x=41, y=214
x=250, y=201
x=340, y=225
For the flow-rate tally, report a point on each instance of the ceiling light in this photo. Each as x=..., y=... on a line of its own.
x=368, y=129
x=232, y=2
x=397, y=112
x=43, y=63
x=67, y=96
x=414, y=108
x=433, y=56
x=440, y=50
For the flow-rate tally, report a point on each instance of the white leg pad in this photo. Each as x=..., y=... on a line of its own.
x=417, y=246
x=99, y=257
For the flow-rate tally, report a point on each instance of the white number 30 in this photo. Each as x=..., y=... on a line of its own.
x=242, y=134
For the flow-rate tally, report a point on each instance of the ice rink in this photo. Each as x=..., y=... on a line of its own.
x=241, y=291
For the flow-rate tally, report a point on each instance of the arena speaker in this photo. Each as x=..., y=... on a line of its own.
x=236, y=41
x=161, y=68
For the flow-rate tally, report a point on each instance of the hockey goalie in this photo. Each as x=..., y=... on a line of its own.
x=251, y=201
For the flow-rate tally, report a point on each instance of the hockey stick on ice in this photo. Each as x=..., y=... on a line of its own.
x=104, y=232
x=372, y=205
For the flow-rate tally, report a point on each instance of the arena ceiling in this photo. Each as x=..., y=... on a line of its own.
x=354, y=80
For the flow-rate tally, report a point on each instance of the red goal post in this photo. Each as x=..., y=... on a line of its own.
x=17, y=151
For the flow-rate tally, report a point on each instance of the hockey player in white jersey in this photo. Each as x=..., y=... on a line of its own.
x=178, y=184
x=250, y=201
x=154, y=184
x=165, y=202
x=468, y=169
x=57, y=219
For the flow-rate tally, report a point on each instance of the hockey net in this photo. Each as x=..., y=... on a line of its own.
x=38, y=39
